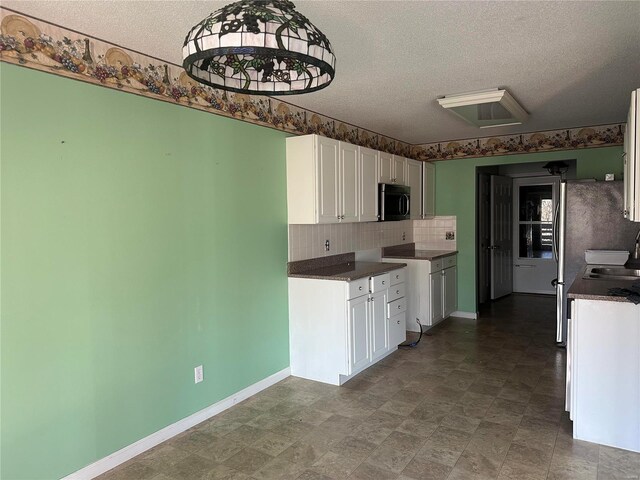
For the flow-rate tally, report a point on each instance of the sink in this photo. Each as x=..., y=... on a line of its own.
x=611, y=273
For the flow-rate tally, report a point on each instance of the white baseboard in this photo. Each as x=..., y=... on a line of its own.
x=460, y=314
x=127, y=453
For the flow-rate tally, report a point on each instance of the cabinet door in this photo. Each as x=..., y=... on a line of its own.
x=399, y=164
x=379, y=325
x=368, y=185
x=414, y=180
x=349, y=182
x=397, y=330
x=385, y=167
x=436, y=297
x=450, y=287
x=328, y=165
x=359, y=353
x=428, y=190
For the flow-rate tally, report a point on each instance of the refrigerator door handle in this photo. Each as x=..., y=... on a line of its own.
x=554, y=241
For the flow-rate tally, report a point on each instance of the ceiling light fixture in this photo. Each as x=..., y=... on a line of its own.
x=486, y=108
x=263, y=47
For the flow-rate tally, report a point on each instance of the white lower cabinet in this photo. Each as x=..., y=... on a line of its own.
x=337, y=328
x=436, y=310
x=431, y=290
x=603, y=350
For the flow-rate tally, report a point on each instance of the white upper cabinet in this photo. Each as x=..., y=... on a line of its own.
x=414, y=181
x=391, y=168
x=368, y=185
x=385, y=167
x=328, y=170
x=428, y=190
x=349, y=181
x=323, y=180
x=632, y=160
x=329, y=181
x=399, y=167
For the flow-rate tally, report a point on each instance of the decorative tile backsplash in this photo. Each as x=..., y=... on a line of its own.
x=54, y=49
x=309, y=241
x=432, y=234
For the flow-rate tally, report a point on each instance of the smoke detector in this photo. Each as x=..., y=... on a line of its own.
x=486, y=108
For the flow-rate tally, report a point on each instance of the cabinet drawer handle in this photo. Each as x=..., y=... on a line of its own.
x=359, y=288
x=398, y=322
x=397, y=292
x=397, y=277
x=383, y=282
x=399, y=307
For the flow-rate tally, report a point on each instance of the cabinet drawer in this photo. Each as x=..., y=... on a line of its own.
x=397, y=276
x=359, y=287
x=449, y=261
x=436, y=265
x=396, y=307
x=380, y=282
x=396, y=292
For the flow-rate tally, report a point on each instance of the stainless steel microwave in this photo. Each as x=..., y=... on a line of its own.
x=394, y=202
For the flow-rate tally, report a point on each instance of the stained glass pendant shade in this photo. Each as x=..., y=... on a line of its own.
x=259, y=47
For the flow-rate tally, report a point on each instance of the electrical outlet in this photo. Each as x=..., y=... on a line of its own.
x=199, y=374
x=450, y=235
x=327, y=246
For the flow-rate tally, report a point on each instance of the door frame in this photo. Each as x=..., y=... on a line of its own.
x=517, y=183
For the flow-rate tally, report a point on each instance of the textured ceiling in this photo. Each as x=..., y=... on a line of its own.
x=568, y=63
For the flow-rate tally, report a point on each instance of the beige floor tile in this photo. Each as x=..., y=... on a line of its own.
x=426, y=470
x=367, y=471
x=134, y=469
x=335, y=466
x=248, y=460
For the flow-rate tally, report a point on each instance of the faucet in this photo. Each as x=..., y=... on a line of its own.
x=636, y=253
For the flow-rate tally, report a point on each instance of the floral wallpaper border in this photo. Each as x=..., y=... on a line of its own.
x=47, y=47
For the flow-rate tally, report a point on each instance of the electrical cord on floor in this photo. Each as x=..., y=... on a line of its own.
x=413, y=344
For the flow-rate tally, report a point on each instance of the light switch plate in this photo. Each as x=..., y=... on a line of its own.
x=198, y=374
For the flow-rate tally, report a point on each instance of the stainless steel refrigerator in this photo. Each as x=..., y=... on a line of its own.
x=588, y=216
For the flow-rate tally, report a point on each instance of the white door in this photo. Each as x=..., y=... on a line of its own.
x=349, y=182
x=414, y=180
x=379, y=325
x=429, y=190
x=399, y=164
x=358, y=333
x=397, y=332
x=368, y=185
x=534, y=265
x=328, y=172
x=436, y=297
x=501, y=236
x=385, y=168
x=450, y=293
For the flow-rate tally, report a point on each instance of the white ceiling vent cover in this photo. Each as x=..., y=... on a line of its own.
x=486, y=108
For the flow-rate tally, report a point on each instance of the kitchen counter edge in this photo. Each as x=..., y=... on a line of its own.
x=349, y=272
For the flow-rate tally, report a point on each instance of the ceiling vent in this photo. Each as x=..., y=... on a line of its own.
x=486, y=108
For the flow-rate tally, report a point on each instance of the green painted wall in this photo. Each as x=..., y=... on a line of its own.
x=456, y=195
x=139, y=239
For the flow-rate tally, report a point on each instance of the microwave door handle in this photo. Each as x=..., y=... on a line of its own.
x=406, y=198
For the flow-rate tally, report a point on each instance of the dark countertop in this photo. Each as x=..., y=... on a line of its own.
x=421, y=254
x=348, y=271
x=598, y=288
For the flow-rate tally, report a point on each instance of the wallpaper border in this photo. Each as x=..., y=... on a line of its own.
x=43, y=46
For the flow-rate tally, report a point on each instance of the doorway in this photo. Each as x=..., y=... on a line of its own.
x=533, y=265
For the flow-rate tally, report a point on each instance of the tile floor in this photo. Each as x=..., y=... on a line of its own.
x=473, y=401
